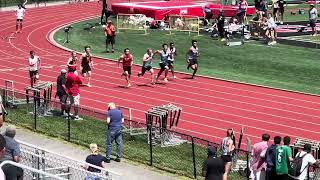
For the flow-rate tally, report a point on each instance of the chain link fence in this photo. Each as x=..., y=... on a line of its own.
x=164, y=149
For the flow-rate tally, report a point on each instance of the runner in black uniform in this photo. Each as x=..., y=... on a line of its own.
x=86, y=64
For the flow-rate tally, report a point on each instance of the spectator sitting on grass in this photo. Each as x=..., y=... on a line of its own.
x=13, y=153
x=95, y=158
x=213, y=166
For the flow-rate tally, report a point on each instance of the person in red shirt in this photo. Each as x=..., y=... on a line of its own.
x=127, y=61
x=73, y=82
x=86, y=64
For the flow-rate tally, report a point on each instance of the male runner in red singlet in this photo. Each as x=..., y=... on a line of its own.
x=86, y=64
x=72, y=62
x=127, y=61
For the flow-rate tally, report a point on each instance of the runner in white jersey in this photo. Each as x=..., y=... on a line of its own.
x=147, y=65
x=173, y=53
x=19, y=14
x=34, y=66
x=192, y=58
x=164, y=54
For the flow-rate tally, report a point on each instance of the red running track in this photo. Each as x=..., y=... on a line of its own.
x=210, y=106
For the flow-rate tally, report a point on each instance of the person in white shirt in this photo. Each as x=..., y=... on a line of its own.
x=271, y=32
x=20, y=11
x=34, y=66
x=147, y=65
x=313, y=14
x=307, y=160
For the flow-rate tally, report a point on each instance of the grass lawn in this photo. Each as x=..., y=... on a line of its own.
x=177, y=159
x=281, y=66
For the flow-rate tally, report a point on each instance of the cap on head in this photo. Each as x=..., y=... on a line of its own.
x=312, y=5
x=109, y=21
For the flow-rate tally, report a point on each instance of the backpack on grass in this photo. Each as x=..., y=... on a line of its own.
x=295, y=166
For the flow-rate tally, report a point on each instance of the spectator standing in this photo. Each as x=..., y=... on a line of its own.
x=12, y=153
x=313, y=14
x=95, y=158
x=72, y=85
x=2, y=152
x=104, y=11
x=207, y=15
x=283, y=158
x=227, y=147
x=275, y=7
x=307, y=160
x=220, y=24
x=2, y=111
x=110, y=33
x=271, y=158
x=213, y=167
x=62, y=91
x=20, y=12
x=243, y=5
x=271, y=32
x=281, y=10
x=258, y=164
x=114, y=131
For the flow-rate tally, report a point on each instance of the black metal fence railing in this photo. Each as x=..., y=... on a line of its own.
x=170, y=151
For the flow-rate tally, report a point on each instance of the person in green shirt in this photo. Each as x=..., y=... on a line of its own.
x=283, y=158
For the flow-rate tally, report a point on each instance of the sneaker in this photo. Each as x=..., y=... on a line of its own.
x=77, y=118
x=281, y=22
x=153, y=83
x=112, y=51
x=108, y=51
x=129, y=85
x=165, y=80
x=107, y=161
x=174, y=77
x=223, y=39
x=139, y=74
x=89, y=85
x=117, y=160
